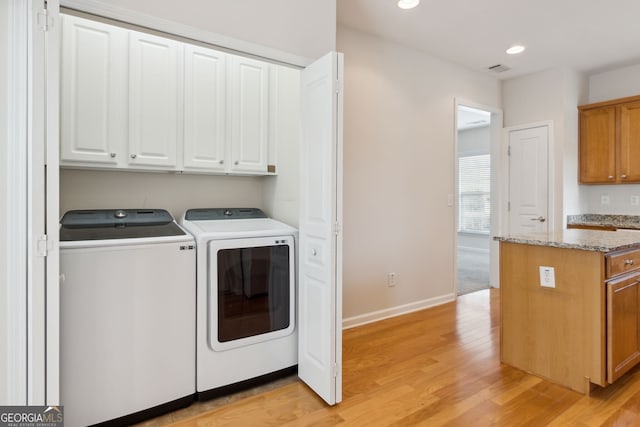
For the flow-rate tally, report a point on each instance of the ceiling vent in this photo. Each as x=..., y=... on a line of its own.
x=499, y=68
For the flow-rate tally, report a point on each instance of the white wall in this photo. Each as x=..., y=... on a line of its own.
x=281, y=193
x=81, y=189
x=552, y=95
x=399, y=159
x=305, y=28
x=613, y=84
x=4, y=244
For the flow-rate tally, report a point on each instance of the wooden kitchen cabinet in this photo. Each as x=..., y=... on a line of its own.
x=623, y=312
x=582, y=331
x=623, y=325
x=610, y=142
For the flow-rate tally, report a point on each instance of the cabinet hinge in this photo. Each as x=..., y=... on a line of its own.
x=42, y=246
x=337, y=228
x=338, y=85
x=334, y=370
x=44, y=20
x=509, y=150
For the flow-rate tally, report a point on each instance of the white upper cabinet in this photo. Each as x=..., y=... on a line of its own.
x=132, y=100
x=93, y=92
x=155, y=86
x=204, y=109
x=250, y=114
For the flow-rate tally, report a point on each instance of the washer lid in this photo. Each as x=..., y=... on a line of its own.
x=107, y=224
x=210, y=214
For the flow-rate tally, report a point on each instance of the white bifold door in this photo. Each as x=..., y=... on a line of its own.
x=320, y=248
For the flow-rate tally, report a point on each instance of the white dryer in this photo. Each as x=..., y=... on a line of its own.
x=246, y=298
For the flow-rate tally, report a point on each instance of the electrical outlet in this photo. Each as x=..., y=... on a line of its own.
x=391, y=280
x=547, y=277
x=635, y=200
x=604, y=199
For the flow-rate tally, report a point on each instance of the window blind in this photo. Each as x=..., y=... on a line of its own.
x=474, y=202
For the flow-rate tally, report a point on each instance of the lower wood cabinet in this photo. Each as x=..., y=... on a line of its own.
x=623, y=325
x=583, y=331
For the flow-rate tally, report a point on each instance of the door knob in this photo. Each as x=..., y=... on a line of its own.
x=540, y=218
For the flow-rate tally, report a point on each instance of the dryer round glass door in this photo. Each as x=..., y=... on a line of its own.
x=251, y=290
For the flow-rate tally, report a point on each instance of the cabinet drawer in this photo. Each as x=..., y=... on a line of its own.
x=622, y=262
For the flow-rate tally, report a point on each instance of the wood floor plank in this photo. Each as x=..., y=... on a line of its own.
x=436, y=367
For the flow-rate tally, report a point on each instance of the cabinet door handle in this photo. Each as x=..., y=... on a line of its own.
x=112, y=154
x=626, y=287
x=221, y=162
x=133, y=156
x=236, y=162
x=623, y=176
x=628, y=262
x=540, y=218
x=610, y=177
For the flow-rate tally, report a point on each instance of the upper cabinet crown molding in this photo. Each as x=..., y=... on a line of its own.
x=609, y=146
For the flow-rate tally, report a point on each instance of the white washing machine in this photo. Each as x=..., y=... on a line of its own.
x=127, y=322
x=246, y=298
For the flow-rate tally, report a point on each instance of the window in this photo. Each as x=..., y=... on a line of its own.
x=474, y=182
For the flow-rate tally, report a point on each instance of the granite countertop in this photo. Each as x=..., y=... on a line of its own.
x=598, y=220
x=588, y=240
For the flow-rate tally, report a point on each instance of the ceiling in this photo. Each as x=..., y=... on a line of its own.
x=585, y=35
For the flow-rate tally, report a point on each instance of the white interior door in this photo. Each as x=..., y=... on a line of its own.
x=529, y=179
x=25, y=345
x=320, y=263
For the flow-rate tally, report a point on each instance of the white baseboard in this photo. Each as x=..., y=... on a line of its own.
x=374, y=316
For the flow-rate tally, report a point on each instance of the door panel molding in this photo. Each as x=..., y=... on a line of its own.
x=551, y=217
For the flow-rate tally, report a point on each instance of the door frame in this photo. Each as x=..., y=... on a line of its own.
x=495, y=151
x=552, y=219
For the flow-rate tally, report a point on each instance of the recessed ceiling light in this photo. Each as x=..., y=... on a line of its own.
x=514, y=50
x=408, y=4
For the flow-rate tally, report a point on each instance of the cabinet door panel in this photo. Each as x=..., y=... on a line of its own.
x=205, y=109
x=629, y=170
x=154, y=96
x=597, y=145
x=250, y=115
x=623, y=341
x=93, y=92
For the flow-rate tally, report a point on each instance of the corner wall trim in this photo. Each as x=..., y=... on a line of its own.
x=375, y=316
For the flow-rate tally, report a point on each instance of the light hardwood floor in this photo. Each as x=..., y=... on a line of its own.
x=435, y=367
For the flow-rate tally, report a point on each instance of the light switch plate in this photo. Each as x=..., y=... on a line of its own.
x=547, y=277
